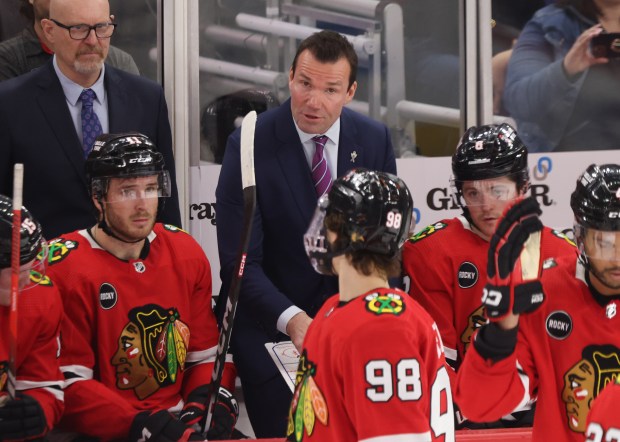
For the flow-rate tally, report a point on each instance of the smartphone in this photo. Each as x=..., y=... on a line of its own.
x=606, y=45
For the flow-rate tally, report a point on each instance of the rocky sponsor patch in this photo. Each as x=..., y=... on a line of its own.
x=559, y=325
x=107, y=296
x=467, y=275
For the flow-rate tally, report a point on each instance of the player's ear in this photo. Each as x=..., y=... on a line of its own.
x=98, y=206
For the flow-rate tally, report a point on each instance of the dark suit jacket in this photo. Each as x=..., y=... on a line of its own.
x=36, y=129
x=278, y=273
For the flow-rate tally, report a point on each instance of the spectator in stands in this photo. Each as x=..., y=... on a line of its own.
x=561, y=95
x=50, y=116
x=30, y=49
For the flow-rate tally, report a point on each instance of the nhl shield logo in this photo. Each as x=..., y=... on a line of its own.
x=139, y=266
x=611, y=310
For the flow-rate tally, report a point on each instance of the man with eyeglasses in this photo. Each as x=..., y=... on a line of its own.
x=50, y=117
x=140, y=336
x=30, y=49
x=490, y=172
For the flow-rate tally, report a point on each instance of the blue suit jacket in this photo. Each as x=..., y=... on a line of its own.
x=278, y=273
x=36, y=129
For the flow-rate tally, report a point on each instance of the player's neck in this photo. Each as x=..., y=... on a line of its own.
x=353, y=283
x=120, y=249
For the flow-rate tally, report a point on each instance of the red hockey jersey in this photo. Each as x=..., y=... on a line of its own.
x=38, y=348
x=143, y=328
x=447, y=264
x=567, y=351
x=604, y=419
x=372, y=369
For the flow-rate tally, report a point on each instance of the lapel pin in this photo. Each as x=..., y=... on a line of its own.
x=353, y=156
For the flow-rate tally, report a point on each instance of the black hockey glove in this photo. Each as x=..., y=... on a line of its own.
x=225, y=412
x=511, y=267
x=160, y=426
x=22, y=418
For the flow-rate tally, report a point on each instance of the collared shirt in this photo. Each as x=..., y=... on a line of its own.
x=331, y=154
x=72, y=92
x=331, y=147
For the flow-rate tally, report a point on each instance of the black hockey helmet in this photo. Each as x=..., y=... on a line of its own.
x=490, y=151
x=378, y=212
x=124, y=155
x=596, y=205
x=596, y=199
x=31, y=235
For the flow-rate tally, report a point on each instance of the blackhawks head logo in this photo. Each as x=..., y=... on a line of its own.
x=308, y=403
x=151, y=351
x=599, y=366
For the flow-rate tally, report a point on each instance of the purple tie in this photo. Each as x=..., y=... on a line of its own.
x=320, y=172
x=91, y=127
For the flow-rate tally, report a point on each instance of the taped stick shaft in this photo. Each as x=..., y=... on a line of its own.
x=18, y=180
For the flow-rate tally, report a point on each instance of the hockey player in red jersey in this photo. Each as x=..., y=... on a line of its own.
x=604, y=419
x=372, y=365
x=38, y=404
x=141, y=335
x=567, y=347
x=446, y=261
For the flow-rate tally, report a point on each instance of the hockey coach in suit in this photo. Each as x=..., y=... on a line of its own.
x=41, y=117
x=280, y=291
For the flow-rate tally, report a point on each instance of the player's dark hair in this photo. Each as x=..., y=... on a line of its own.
x=329, y=47
x=364, y=261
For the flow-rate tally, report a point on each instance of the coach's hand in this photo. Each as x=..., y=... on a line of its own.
x=506, y=293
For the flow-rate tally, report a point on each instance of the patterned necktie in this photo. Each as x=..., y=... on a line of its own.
x=91, y=127
x=320, y=172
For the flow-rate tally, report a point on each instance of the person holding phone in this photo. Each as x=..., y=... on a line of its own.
x=562, y=94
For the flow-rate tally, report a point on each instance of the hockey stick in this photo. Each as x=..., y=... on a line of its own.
x=18, y=180
x=248, y=182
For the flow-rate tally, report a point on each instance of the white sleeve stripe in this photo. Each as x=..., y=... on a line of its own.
x=526, y=400
x=205, y=356
x=202, y=356
x=27, y=385
x=78, y=370
x=229, y=360
x=72, y=381
x=410, y=437
x=52, y=387
x=450, y=353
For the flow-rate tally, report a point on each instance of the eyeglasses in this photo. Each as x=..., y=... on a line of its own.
x=82, y=31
